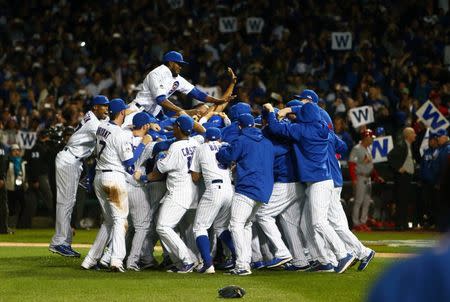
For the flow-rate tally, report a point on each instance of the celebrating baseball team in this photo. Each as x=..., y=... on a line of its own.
x=260, y=192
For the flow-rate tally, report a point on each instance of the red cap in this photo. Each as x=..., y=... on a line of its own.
x=367, y=133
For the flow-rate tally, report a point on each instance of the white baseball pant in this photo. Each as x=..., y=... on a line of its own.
x=338, y=221
x=170, y=215
x=283, y=195
x=319, y=197
x=112, y=193
x=243, y=210
x=140, y=215
x=68, y=171
x=290, y=224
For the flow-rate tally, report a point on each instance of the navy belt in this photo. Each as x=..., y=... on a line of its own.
x=106, y=171
x=217, y=181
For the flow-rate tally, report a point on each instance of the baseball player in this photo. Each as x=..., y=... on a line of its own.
x=140, y=210
x=68, y=170
x=310, y=135
x=285, y=192
x=215, y=204
x=115, y=157
x=231, y=132
x=164, y=80
x=253, y=154
x=336, y=214
x=181, y=192
x=362, y=171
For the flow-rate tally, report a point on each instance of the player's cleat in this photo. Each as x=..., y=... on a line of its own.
x=238, y=272
x=323, y=268
x=294, y=268
x=207, y=269
x=77, y=254
x=186, y=268
x=62, y=250
x=257, y=265
x=228, y=264
x=117, y=269
x=88, y=264
x=275, y=262
x=344, y=263
x=365, y=261
x=134, y=268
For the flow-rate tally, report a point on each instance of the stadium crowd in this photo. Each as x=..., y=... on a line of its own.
x=55, y=61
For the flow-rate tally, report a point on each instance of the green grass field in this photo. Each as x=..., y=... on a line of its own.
x=34, y=274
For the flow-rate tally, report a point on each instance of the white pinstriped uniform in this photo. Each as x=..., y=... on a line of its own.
x=243, y=211
x=290, y=225
x=180, y=196
x=283, y=195
x=156, y=191
x=114, y=145
x=338, y=221
x=139, y=205
x=160, y=81
x=319, y=196
x=215, y=204
x=68, y=170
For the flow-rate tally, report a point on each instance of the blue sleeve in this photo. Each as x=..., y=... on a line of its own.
x=129, y=163
x=279, y=149
x=162, y=146
x=161, y=98
x=283, y=129
x=339, y=145
x=198, y=94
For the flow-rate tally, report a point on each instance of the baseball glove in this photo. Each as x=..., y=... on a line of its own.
x=231, y=291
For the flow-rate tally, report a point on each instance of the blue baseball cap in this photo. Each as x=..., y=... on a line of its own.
x=174, y=56
x=186, y=123
x=379, y=131
x=258, y=120
x=213, y=134
x=117, y=105
x=100, y=100
x=308, y=94
x=217, y=120
x=140, y=119
x=238, y=109
x=246, y=120
x=293, y=103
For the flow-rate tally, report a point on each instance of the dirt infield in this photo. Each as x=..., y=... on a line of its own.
x=159, y=249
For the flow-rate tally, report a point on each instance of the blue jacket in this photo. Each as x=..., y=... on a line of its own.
x=254, y=157
x=310, y=135
x=231, y=132
x=428, y=166
x=284, y=162
x=336, y=145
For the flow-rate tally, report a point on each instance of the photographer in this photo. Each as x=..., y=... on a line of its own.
x=39, y=159
x=19, y=210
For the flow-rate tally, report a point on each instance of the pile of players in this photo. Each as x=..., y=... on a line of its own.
x=266, y=191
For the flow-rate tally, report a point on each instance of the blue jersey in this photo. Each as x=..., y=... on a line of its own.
x=336, y=145
x=284, y=161
x=254, y=157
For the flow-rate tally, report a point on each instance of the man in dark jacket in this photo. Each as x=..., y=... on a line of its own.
x=254, y=157
x=402, y=161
